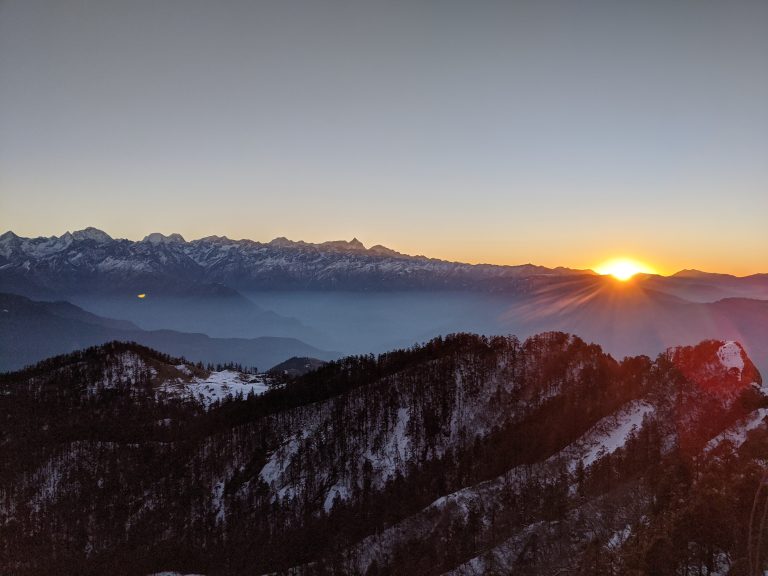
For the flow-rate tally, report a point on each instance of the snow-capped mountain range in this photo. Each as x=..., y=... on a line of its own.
x=91, y=260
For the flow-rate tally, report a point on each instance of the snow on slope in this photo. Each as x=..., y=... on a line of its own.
x=129, y=368
x=737, y=434
x=218, y=386
x=278, y=462
x=126, y=368
x=398, y=435
x=612, y=432
x=606, y=436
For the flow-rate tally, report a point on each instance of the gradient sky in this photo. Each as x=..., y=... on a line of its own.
x=559, y=133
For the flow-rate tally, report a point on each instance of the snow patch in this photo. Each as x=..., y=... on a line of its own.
x=390, y=457
x=219, y=385
x=278, y=462
x=338, y=491
x=737, y=434
x=619, y=537
x=730, y=356
x=612, y=432
x=217, y=501
x=184, y=369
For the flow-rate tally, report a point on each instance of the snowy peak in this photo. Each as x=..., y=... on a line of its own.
x=92, y=234
x=283, y=242
x=8, y=242
x=8, y=237
x=215, y=239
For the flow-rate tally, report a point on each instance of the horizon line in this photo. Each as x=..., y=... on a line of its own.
x=367, y=249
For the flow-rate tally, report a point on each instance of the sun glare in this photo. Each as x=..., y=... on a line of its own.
x=623, y=268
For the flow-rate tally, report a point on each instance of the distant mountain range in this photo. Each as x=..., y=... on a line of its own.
x=644, y=316
x=31, y=331
x=698, y=286
x=343, y=296
x=91, y=262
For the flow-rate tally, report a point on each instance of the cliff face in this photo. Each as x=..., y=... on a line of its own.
x=466, y=455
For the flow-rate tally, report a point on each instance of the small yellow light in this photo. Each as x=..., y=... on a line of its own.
x=141, y=295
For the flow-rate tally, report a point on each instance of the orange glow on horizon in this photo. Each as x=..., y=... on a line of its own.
x=623, y=268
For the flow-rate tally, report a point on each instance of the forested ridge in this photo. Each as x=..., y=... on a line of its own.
x=467, y=454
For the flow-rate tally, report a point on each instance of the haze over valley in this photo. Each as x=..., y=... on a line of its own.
x=343, y=297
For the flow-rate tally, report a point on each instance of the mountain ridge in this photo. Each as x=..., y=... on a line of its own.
x=354, y=245
x=240, y=264
x=464, y=455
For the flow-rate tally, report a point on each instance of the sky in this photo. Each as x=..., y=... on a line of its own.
x=557, y=133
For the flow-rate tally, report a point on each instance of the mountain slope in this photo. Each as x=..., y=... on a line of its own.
x=31, y=331
x=465, y=455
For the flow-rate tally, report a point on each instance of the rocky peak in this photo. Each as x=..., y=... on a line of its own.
x=158, y=238
x=380, y=250
x=7, y=243
x=282, y=242
x=716, y=366
x=214, y=239
x=353, y=245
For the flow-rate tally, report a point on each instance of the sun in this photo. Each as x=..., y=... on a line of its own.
x=623, y=268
